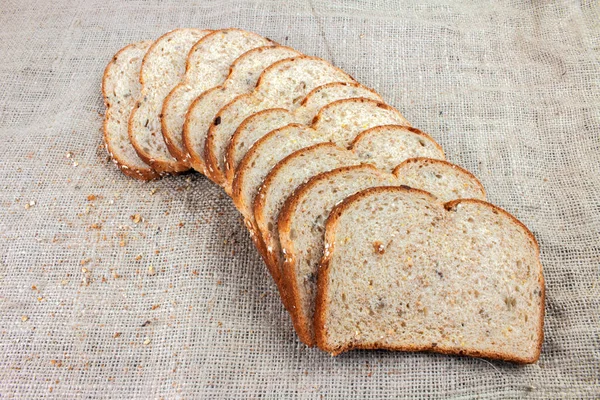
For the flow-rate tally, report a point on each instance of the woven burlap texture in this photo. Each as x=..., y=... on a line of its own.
x=113, y=288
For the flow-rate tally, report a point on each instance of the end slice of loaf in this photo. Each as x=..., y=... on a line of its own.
x=462, y=278
x=302, y=220
x=120, y=89
x=162, y=68
x=259, y=124
x=208, y=65
x=283, y=85
x=399, y=144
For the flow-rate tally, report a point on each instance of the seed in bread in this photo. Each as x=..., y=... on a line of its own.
x=462, y=278
x=162, y=68
x=120, y=89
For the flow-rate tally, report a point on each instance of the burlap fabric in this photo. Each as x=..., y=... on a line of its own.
x=112, y=288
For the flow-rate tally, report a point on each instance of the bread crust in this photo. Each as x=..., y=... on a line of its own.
x=210, y=157
x=237, y=188
x=258, y=207
x=322, y=285
x=144, y=174
x=327, y=85
x=180, y=155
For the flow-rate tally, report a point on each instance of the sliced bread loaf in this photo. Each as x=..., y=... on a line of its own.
x=463, y=278
x=244, y=74
x=302, y=218
x=258, y=125
x=208, y=65
x=162, y=68
x=299, y=167
x=120, y=89
x=283, y=85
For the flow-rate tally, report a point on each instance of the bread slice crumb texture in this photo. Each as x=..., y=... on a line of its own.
x=243, y=76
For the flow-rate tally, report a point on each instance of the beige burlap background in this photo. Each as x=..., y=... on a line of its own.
x=510, y=89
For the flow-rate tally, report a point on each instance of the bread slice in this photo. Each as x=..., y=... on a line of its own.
x=463, y=277
x=283, y=85
x=120, y=89
x=259, y=124
x=243, y=76
x=208, y=65
x=297, y=168
x=302, y=218
x=162, y=68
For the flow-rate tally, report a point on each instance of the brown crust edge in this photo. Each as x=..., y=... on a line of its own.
x=145, y=174
x=317, y=119
x=260, y=81
x=284, y=221
x=397, y=169
x=322, y=285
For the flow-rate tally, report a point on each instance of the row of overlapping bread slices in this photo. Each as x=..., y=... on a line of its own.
x=373, y=239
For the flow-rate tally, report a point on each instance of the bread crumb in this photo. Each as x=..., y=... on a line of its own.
x=147, y=341
x=116, y=335
x=155, y=306
x=151, y=270
x=379, y=248
x=24, y=318
x=92, y=197
x=136, y=218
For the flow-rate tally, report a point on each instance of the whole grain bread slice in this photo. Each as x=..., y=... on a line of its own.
x=283, y=85
x=120, y=89
x=259, y=124
x=242, y=78
x=162, y=68
x=208, y=65
x=399, y=143
x=462, y=278
x=302, y=218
